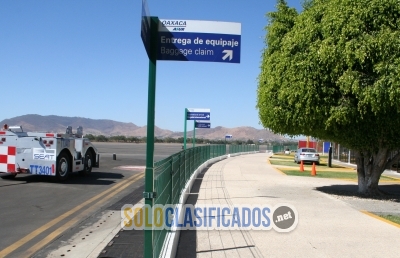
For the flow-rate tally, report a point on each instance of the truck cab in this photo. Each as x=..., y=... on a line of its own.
x=45, y=153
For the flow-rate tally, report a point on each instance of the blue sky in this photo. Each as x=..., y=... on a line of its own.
x=86, y=58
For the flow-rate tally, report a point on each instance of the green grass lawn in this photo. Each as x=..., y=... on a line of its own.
x=288, y=160
x=324, y=174
x=392, y=218
x=283, y=162
x=327, y=174
x=282, y=156
x=323, y=170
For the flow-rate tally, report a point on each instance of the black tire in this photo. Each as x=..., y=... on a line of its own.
x=317, y=163
x=88, y=164
x=8, y=176
x=63, y=167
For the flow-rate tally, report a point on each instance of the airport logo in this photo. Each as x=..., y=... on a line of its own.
x=176, y=25
x=282, y=218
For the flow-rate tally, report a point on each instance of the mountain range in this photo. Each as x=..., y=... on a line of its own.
x=58, y=124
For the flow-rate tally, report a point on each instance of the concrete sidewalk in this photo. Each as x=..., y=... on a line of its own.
x=328, y=226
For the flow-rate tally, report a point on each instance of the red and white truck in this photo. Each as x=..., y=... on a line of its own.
x=50, y=154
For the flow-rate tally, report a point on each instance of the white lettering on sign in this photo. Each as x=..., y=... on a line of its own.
x=213, y=42
x=223, y=43
x=186, y=52
x=166, y=40
x=175, y=51
x=198, y=40
x=204, y=52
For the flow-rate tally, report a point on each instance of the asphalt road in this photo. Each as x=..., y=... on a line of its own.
x=37, y=212
x=136, y=152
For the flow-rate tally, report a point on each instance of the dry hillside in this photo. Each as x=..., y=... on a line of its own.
x=111, y=128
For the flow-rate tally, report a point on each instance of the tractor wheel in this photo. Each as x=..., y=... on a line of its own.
x=88, y=164
x=63, y=167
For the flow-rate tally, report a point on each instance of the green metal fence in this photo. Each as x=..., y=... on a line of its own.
x=172, y=174
x=243, y=148
x=282, y=148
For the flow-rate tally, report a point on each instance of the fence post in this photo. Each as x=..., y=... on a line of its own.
x=349, y=156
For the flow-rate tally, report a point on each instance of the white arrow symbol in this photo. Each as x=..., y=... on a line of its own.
x=227, y=53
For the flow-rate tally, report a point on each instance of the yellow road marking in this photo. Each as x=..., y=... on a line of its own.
x=380, y=218
x=46, y=226
x=73, y=221
x=269, y=162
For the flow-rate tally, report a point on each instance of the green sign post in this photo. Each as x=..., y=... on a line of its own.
x=184, y=130
x=149, y=193
x=194, y=114
x=149, y=34
x=194, y=133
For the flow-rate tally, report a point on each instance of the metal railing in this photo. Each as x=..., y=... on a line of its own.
x=347, y=155
x=170, y=178
x=282, y=148
x=243, y=148
x=173, y=173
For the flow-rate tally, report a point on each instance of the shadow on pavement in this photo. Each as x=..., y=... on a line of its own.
x=392, y=191
x=187, y=239
x=95, y=178
x=130, y=243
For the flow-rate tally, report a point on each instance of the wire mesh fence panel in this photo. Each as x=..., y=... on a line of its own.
x=233, y=148
x=172, y=174
x=163, y=188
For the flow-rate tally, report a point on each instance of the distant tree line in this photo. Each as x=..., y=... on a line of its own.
x=135, y=139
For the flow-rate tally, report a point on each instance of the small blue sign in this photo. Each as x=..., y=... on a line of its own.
x=198, y=115
x=202, y=124
x=228, y=136
x=208, y=41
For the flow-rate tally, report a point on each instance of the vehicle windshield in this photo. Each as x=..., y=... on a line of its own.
x=308, y=150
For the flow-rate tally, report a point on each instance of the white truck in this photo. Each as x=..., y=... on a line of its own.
x=49, y=154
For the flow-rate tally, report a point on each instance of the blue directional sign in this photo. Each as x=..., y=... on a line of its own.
x=202, y=124
x=191, y=40
x=145, y=27
x=198, y=114
x=228, y=136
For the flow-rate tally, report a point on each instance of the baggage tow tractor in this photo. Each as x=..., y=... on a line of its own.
x=49, y=154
